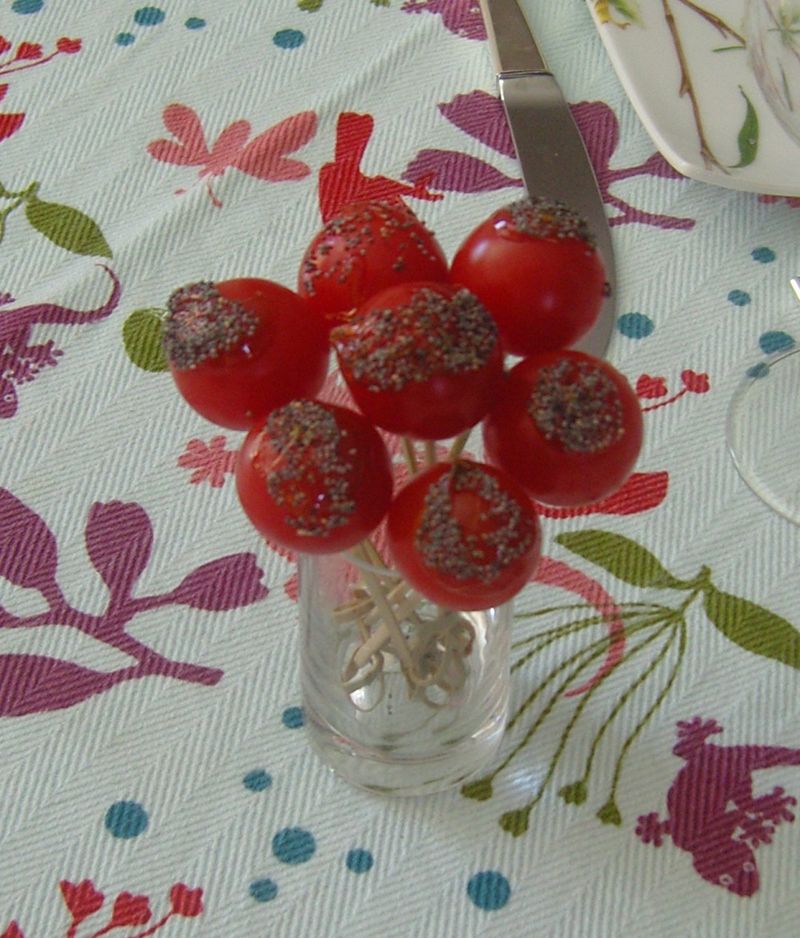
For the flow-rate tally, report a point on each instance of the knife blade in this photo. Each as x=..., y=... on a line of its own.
x=550, y=150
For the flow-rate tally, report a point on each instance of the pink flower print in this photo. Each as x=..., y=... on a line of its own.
x=210, y=461
x=263, y=157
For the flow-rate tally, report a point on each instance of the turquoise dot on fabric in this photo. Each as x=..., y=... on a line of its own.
x=149, y=16
x=257, y=780
x=359, y=861
x=293, y=718
x=126, y=819
x=195, y=22
x=124, y=39
x=739, y=297
x=27, y=6
x=489, y=890
x=772, y=342
x=288, y=38
x=294, y=845
x=760, y=370
x=635, y=325
x=763, y=255
x=263, y=890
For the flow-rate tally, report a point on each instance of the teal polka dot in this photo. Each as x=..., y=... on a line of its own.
x=489, y=890
x=288, y=38
x=359, y=861
x=635, y=325
x=763, y=255
x=257, y=780
x=124, y=39
x=293, y=718
x=739, y=297
x=195, y=22
x=126, y=819
x=149, y=16
x=263, y=890
x=27, y=6
x=294, y=845
x=760, y=370
x=772, y=342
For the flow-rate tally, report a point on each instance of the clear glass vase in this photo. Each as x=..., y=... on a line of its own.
x=401, y=697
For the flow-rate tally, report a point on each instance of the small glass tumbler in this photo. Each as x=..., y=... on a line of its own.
x=772, y=34
x=401, y=697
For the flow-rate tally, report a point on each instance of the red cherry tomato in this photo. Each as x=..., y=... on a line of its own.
x=465, y=535
x=567, y=427
x=314, y=477
x=366, y=247
x=239, y=348
x=534, y=266
x=421, y=359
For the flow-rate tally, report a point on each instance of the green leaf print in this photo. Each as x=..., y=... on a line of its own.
x=67, y=227
x=141, y=334
x=748, y=135
x=622, y=557
x=752, y=627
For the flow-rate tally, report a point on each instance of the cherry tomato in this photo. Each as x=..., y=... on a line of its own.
x=239, y=348
x=366, y=247
x=464, y=534
x=314, y=477
x=533, y=264
x=567, y=427
x=421, y=359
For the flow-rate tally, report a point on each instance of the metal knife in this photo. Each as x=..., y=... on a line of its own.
x=550, y=149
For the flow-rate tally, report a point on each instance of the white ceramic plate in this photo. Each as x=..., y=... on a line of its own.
x=721, y=129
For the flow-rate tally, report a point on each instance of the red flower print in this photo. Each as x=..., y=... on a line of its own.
x=82, y=899
x=647, y=386
x=342, y=181
x=68, y=46
x=185, y=901
x=694, y=382
x=28, y=50
x=130, y=910
x=5, y=45
x=13, y=930
x=9, y=123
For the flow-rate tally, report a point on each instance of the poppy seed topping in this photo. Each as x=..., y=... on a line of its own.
x=547, y=218
x=507, y=530
x=201, y=323
x=309, y=479
x=389, y=348
x=577, y=404
x=358, y=228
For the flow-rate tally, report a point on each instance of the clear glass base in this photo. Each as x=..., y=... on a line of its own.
x=763, y=431
x=402, y=704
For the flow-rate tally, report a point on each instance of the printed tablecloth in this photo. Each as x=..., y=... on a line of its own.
x=154, y=773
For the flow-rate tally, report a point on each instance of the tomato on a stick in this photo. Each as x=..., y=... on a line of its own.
x=239, y=348
x=314, y=477
x=535, y=266
x=364, y=248
x=421, y=359
x=567, y=427
x=464, y=534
